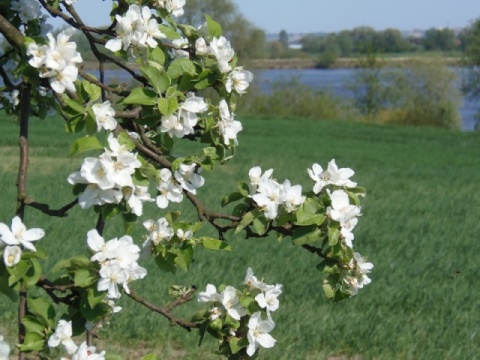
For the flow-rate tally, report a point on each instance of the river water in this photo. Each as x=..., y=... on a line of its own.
x=334, y=80
x=337, y=80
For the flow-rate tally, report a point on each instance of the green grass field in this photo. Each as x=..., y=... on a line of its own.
x=420, y=227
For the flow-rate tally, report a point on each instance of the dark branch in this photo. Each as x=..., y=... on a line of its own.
x=45, y=208
x=187, y=325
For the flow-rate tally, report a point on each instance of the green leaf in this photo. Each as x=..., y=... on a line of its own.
x=83, y=144
x=75, y=124
x=214, y=28
x=171, y=33
x=215, y=244
x=306, y=235
x=141, y=96
x=260, y=224
x=184, y=257
x=181, y=66
x=246, y=220
x=333, y=235
x=304, y=218
x=74, y=105
x=167, y=106
x=95, y=297
x=92, y=90
x=43, y=310
x=33, y=274
x=95, y=313
x=328, y=289
x=33, y=342
x=243, y=189
x=18, y=271
x=157, y=78
x=125, y=140
x=129, y=222
x=85, y=277
x=156, y=55
x=166, y=263
x=4, y=287
x=33, y=325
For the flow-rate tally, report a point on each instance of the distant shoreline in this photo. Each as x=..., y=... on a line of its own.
x=308, y=63
x=301, y=63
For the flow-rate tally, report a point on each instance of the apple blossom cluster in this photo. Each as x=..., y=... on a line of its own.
x=160, y=231
x=15, y=237
x=341, y=210
x=118, y=262
x=63, y=336
x=251, y=308
x=269, y=195
x=183, y=121
x=136, y=29
x=104, y=116
x=354, y=274
x=175, y=7
x=57, y=61
x=27, y=10
x=109, y=178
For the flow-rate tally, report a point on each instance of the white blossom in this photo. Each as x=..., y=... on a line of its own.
x=27, y=10
x=201, y=47
x=331, y=176
x=86, y=352
x=189, y=178
x=270, y=195
x=268, y=299
x=136, y=29
x=252, y=282
x=175, y=7
x=63, y=335
x=258, y=333
x=355, y=277
x=238, y=80
x=168, y=190
x=135, y=197
x=228, y=126
x=223, y=52
x=12, y=255
x=19, y=235
x=104, y=116
x=293, y=198
x=231, y=303
x=342, y=211
x=4, y=349
x=58, y=61
x=209, y=295
x=255, y=175
x=183, y=122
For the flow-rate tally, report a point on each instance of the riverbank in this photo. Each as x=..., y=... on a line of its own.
x=347, y=63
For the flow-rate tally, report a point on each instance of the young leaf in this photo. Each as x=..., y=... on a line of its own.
x=83, y=144
x=215, y=244
x=141, y=96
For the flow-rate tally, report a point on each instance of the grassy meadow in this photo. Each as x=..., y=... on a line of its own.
x=420, y=227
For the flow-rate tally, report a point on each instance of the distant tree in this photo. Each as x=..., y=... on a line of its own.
x=234, y=25
x=283, y=38
x=439, y=39
x=393, y=41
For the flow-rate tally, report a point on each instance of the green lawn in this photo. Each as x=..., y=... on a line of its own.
x=420, y=227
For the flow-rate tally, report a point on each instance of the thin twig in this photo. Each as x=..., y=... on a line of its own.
x=187, y=325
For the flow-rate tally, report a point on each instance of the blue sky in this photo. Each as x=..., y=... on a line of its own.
x=304, y=16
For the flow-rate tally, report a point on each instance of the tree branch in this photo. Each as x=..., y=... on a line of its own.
x=187, y=325
x=45, y=208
